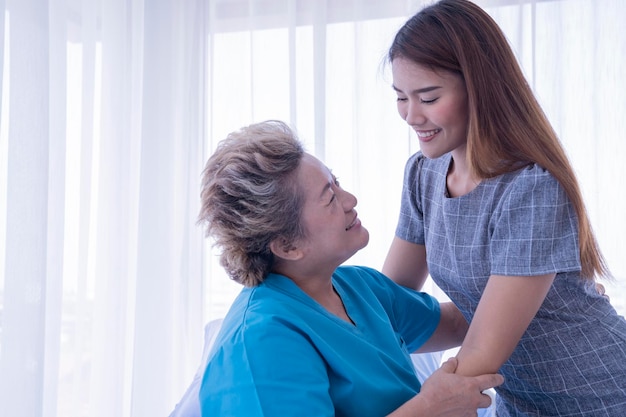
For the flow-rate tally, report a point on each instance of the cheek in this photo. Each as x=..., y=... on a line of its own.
x=462, y=111
x=462, y=117
x=454, y=114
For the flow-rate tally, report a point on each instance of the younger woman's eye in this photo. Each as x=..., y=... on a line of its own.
x=424, y=101
x=401, y=99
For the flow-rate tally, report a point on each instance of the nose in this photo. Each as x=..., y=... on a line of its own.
x=412, y=113
x=348, y=200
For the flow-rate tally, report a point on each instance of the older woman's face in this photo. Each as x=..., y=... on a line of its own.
x=334, y=231
x=434, y=104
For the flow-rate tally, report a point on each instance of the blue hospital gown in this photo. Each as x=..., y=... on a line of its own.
x=571, y=361
x=280, y=353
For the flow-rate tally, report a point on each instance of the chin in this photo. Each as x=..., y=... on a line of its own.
x=431, y=154
x=434, y=150
x=362, y=244
x=366, y=239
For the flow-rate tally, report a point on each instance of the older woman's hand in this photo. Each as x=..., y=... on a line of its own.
x=602, y=291
x=456, y=395
x=446, y=394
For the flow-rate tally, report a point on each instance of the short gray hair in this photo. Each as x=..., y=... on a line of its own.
x=250, y=197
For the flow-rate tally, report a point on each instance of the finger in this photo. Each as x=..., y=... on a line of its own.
x=600, y=288
x=490, y=398
x=450, y=365
x=602, y=291
x=490, y=381
x=485, y=401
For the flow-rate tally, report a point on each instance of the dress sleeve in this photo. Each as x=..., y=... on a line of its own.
x=268, y=376
x=535, y=228
x=411, y=220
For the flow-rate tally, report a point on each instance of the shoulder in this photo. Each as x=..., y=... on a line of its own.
x=425, y=176
x=368, y=284
x=358, y=270
x=251, y=319
x=418, y=163
x=366, y=275
x=533, y=183
x=270, y=337
x=365, y=280
x=532, y=175
x=258, y=307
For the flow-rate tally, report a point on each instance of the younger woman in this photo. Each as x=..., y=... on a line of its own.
x=492, y=210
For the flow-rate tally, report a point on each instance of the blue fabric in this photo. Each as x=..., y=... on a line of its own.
x=279, y=353
x=571, y=361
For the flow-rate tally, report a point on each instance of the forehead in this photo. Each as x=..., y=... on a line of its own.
x=405, y=71
x=313, y=175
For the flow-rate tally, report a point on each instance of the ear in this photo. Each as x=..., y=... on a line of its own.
x=284, y=249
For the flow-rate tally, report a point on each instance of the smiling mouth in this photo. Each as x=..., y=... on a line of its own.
x=354, y=222
x=423, y=134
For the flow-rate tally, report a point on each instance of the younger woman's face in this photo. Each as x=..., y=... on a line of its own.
x=434, y=104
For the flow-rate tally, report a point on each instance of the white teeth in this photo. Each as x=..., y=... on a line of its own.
x=423, y=134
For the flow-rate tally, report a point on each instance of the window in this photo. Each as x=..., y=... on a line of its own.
x=125, y=101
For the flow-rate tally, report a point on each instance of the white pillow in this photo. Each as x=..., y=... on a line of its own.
x=189, y=404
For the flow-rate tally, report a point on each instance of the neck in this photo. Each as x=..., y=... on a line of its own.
x=460, y=179
x=320, y=288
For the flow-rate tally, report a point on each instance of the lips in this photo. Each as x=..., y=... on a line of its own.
x=355, y=221
x=426, y=135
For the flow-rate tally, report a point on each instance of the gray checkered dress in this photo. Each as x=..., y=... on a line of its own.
x=571, y=361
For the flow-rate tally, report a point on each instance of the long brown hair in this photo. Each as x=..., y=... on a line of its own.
x=507, y=128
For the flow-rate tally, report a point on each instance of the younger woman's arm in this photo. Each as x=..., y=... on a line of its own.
x=446, y=394
x=504, y=312
x=406, y=263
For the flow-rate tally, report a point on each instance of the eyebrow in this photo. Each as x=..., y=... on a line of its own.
x=419, y=90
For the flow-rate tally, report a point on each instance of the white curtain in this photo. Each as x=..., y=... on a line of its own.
x=109, y=109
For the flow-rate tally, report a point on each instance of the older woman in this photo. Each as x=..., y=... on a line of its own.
x=307, y=336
